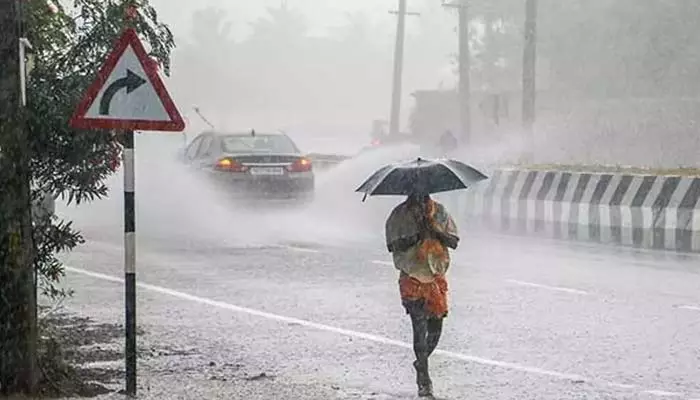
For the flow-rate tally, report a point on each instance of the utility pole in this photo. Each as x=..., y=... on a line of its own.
x=395, y=118
x=465, y=114
x=530, y=75
x=18, y=333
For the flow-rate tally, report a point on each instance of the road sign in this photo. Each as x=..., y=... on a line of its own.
x=128, y=94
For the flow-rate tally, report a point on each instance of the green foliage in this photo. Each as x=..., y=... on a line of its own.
x=69, y=49
x=52, y=236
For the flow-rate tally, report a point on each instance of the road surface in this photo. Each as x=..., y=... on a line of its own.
x=529, y=319
x=309, y=298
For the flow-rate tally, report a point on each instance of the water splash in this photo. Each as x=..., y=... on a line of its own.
x=176, y=208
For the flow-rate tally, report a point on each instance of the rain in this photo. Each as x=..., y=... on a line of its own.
x=547, y=162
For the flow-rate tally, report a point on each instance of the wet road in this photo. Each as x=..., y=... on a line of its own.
x=528, y=319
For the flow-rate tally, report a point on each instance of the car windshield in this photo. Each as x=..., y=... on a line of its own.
x=258, y=144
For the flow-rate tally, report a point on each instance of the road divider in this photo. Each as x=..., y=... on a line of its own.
x=639, y=208
x=643, y=211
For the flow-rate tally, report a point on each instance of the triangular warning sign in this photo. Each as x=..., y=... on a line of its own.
x=128, y=94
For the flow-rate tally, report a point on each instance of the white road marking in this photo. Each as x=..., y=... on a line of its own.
x=691, y=308
x=568, y=245
x=379, y=262
x=554, y=288
x=361, y=335
x=299, y=249
x=327, y=328
x=662, y=393
x=621, y=385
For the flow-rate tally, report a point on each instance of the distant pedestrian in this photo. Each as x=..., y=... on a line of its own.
x=448, y=143
x=447, y=148
x=419, y=234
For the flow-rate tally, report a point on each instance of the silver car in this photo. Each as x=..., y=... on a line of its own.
x=253, y=165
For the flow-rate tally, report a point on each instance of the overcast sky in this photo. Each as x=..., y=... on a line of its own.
x=425, y=68
x=321, y=13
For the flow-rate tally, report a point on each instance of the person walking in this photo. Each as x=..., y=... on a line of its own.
x=448, y=143
x=419, y=234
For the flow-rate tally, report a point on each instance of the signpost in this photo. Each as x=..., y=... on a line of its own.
x=128, y=95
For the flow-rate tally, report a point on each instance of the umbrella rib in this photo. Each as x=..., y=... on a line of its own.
x=380, y=181
x=372, y=177
x=462, y=178
x=458, y=175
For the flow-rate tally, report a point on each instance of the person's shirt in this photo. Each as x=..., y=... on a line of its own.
x=413, y=253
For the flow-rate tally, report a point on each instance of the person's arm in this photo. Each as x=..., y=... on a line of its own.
x=447, y=239
x=403, y=244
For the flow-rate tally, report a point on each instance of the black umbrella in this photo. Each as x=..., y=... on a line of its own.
x=422, y=176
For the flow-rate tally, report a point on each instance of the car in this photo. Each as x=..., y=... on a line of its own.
x=252, y=165
x=388, y=141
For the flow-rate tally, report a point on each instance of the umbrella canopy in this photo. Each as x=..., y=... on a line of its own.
x=422, y=176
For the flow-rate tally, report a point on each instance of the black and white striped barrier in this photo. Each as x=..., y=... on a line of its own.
x=658, y=212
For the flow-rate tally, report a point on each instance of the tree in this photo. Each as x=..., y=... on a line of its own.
x=211, y=29
x=495, y=40
x=498, y=48
x=277, y=60
x=17, y=300
x=614, y=48
x=69, y=48
x=604, y=48
x=282, y=26
x=209, y=55
x=358, y=30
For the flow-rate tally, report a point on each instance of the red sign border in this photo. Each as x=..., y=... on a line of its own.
x=128, y=38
